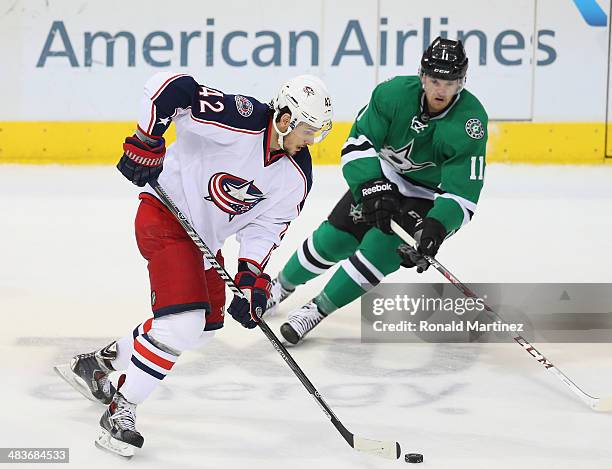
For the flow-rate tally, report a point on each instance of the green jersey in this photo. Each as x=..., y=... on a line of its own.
x=441, y=158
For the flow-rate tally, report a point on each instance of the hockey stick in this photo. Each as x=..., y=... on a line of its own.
x=385, y=449
x=596, y=403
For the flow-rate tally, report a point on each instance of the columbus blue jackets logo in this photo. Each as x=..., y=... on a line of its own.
x=232, y=194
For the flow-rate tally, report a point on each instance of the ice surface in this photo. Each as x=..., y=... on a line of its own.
x=72, y=279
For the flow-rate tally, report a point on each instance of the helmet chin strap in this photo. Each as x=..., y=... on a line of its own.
x=281, y=135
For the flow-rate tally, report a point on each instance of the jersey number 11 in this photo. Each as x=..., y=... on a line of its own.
x=477, y=168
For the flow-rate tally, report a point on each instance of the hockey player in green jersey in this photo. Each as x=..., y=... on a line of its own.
x=415, y=153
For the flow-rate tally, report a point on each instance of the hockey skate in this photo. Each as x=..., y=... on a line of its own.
x=278, y=294
x=118, y=434
x=89, y=373
x=300, y=322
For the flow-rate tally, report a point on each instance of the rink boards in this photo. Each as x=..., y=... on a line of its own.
x=98, y=143
x=76, y=71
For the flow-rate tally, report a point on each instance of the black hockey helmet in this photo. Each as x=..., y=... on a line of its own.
x=444, y=59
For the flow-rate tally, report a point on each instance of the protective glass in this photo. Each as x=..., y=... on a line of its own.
x=311, y=134
x=451, y=87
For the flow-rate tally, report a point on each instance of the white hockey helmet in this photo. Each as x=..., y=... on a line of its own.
x=309, y=102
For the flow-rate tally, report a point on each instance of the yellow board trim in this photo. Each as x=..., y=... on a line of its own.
x=99, y=143
x=547, y=143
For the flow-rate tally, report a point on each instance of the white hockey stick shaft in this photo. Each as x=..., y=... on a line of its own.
x=595, y=403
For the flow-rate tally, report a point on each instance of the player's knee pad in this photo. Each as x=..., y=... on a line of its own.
x=379, y=250
x=332, y=243
x=179, y=332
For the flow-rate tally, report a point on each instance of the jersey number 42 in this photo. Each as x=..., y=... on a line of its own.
x=206, y=102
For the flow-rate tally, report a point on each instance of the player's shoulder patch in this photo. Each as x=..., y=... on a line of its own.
x=474, y=128
x=244, y=105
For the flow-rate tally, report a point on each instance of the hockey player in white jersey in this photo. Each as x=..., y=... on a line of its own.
x=238, y=167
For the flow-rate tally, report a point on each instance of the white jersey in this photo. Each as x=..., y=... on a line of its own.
x=220, y=171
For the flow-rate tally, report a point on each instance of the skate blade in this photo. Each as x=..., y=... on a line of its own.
x=289, y=334
x=106, y=442
x=66, y=373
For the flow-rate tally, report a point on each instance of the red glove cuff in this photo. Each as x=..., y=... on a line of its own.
x=142, y=153
x=248, y=280
x=263, y=283
x=245, y=279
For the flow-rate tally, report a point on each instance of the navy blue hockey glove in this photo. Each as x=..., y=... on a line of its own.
x=380, y=201
x=257, y=290
x=429, y=235
x=141, y=163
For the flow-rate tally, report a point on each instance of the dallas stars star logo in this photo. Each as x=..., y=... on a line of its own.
x=400, y=159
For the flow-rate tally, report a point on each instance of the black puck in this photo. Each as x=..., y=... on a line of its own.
x=413, y=457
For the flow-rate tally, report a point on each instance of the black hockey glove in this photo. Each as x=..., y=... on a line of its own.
x=412, y=258
x=257, y=290
x=380, y=201
x=141, y=163
x=429, y=235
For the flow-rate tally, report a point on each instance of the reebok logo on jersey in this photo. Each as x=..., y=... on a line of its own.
x=377, y=188
x=232, y=194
